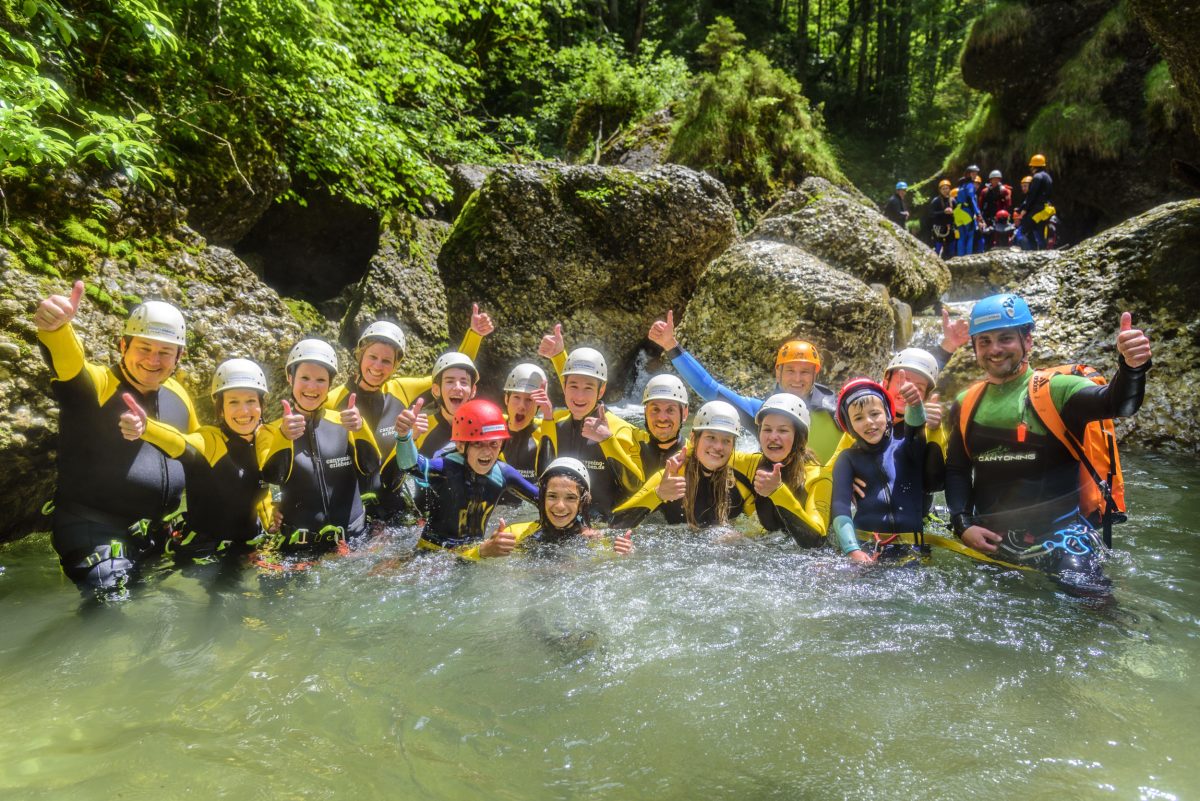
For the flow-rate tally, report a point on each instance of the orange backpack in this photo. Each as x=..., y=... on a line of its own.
x=1101, y=483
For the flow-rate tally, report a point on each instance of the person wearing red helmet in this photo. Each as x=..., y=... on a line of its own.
x=464, y=482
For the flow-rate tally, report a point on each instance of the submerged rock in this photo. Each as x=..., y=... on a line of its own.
x=854, y=237
x=761, y=293
x=600, y=249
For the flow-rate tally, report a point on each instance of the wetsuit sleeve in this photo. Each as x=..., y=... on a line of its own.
x=959, y=497
x=707, y=387
x=643, y=502
x=517, y=484
x=181, y=393
x=174, y=443
x=275, y=453
x=847, y=540
x=335, y=397
x=843, y=492
x=559, y=360
x=1081, y=403
x=800, y=521
x=622, y=448
x=64, y=352
x=469, y=345
x=408, y=389
x=366, y=452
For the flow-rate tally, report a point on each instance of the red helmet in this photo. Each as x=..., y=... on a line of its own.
x=855, y=389
x=1002, y=215
x=479, y=420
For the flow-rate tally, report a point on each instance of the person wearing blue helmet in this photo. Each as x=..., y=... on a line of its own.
x=895, y=209
x=1012, y=486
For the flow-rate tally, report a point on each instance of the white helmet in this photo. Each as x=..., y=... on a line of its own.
x=525, y=377
x=994, y=174
x=717, y=416
x=787, y=404
x=665, y=387
x=568, y=464
x=159, y=321
x=313, y=350
x=587, y=361
x=238, y=374
x=454, y=359
x=917, y=360
x=385, y=331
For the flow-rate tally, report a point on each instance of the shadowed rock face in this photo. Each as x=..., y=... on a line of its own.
x=601, y=250
x=1175, y=28
x=1147, y=266
x=762, y=293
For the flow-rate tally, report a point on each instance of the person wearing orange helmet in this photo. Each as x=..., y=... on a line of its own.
x=796, y=366
x=465, y=482
x=941, y=220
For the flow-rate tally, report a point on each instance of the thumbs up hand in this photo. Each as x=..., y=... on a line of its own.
x=351, y=419
x=481, y=322
x=907, y=391
x=133, y=421
x=673, y=485
x=293, y=423
x=1132, y=343
x=933, y=412
x=499, y=544
x=542, y=400
x=623, y=543
x=407, y=420
x=662, y=332
x=767, y=481
x=553, y=343
x=57, y=310
x=596, y=428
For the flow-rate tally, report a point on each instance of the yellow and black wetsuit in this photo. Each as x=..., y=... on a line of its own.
x=521, y=449
x=613, y=465
x=436, y=437
x=318, y=478
x=113, y=495
x=228, y=502
x=379, y=409
x=653, y=458
x=808, y=522
x=786, y=511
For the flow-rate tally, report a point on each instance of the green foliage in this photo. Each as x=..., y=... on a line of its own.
x=723, y=41
x=593, y=92
x=750, y=124
x=1001, y=23
x=1164, y=106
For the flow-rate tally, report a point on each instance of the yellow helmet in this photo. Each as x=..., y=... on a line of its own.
x=1038, y=160
x=1028, y=179
x=943, y=182
x=954, y=192
x=797, y=350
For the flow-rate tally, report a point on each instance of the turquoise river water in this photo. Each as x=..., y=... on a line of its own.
x=703, y=666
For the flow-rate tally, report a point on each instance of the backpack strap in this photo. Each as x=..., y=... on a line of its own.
x=966, y=410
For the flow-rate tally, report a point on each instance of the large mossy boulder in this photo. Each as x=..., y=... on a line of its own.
x=1148, y=266
x=853, y=237
x=761, y=293
x=402, y=284
x=600, y=249
x=997, y=270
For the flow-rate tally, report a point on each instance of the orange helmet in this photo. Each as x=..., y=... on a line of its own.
x=943, y=182
x=479, y=420
x=797, y=350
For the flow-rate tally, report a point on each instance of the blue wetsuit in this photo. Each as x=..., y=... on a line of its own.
x=969, y=203
x=459, y=501
x=893, y=469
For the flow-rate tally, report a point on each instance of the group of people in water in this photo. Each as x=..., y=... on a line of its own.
x=975, y=216
x=857, y=467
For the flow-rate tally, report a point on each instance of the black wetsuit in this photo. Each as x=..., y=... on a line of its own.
x=612, y=465
x=379, y=410
x=521, y=451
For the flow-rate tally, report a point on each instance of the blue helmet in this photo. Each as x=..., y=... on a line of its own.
x=999, y=311
x=901, y=185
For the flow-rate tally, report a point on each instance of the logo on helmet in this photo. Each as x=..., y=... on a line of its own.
x=1009, y=306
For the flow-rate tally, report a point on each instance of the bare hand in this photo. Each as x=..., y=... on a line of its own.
x=766, y=482
x=552, y=344
x=133, y=422
x=908, y=391
x=861, y=556
x=276, y=521
x=1132, y=343
x=57, y=310
x=624, y=543
x=673, y=485
x=481, y=322
x=955, y=333
x=860, y=487
x=542, y=400
x=499, y=544
x=662, y=333
x=407, y=420
x=351, y=419
x=982, y=539
x=596, y=428
x=293, y=424
x=933, y=412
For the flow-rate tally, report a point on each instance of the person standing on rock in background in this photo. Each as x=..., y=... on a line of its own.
x=588, y=432
x=316, y=456
x=229, y=506
x=941, y=221
x=115, y=497
x=524, y=395
x=1035, y=210
x=1012, y=484
x=996, y=197
x=796, y=366
x=966, y=212
x=381, y=395
x=894, y=209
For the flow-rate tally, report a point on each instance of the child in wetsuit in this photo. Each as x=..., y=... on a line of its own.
x=891, y=510
x=564, y=497
x=465, y=480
